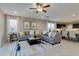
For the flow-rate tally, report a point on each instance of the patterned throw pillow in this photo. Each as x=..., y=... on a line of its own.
x=21, y=33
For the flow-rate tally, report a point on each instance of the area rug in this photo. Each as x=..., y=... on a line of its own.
x=26, y=49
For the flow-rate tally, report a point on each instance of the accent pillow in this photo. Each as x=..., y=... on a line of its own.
x=53, y=34
x=21, y=33
x=49, y=34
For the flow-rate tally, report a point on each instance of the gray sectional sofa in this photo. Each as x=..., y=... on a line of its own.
x=52, y=39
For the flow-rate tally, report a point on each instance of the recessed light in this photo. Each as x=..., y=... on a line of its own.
x=15, y=12
x=78, y=17
x=73, y=15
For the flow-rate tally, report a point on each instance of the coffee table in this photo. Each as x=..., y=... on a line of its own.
x=33, y=40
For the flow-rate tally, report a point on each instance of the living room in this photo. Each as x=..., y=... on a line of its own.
x=38, y=31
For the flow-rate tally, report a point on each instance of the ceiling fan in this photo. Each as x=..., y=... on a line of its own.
x=41, y=7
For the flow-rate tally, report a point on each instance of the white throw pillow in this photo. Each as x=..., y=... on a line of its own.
x=31, y=33
x=49, y=34
x=53, y=34
x=44, y=32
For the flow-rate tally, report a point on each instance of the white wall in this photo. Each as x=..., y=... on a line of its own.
x=41, y=25
x=2, y=28
x=69, y=27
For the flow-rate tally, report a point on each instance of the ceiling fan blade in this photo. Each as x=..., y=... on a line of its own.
x=39, y=4
x=32, y=8
x=44, y=10
x=46, y=6
x=36, y=11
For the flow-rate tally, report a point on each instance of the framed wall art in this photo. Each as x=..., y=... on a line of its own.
x=33, y=25
x=26, y=25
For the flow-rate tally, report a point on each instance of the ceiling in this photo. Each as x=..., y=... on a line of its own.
x=60, y=12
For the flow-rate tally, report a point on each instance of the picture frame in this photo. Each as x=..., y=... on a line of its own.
x=26, y=25
x=33, y=25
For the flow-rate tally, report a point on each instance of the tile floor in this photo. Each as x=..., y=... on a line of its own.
x=65, y=48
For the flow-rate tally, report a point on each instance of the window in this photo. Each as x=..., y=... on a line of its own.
x=12, y=26
x=51, y=26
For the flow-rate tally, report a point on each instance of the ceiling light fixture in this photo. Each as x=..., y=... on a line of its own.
x=40, y=7
x=73, y=15
x=15, y=12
